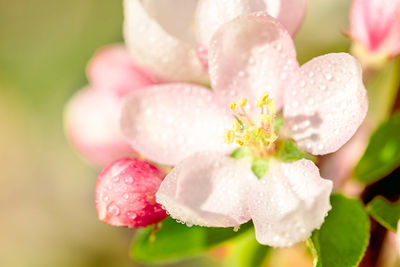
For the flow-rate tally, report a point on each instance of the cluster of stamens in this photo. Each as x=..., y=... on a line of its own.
x=259, y=137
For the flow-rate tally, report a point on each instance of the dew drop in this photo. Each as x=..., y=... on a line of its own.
x=278, y=47
x=328, y=76
x=105, y=198
x=125, y=196
x=113, y=210
x=131, y=215
x=128, y=180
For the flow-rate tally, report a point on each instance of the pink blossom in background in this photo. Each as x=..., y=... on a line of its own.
x=125, y=194
x=164, y=36
x=91, y=124
x=323, y=102
x=375, y=24
x=113, y=69
x=92, y=114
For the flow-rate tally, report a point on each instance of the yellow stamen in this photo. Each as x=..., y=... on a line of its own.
x=236, y=125
x=229, y=136
x=259, y=138
x=242, y=102
x=271, y=106
x=240, y=142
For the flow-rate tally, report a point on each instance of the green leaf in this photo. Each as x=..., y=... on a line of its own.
x=278, y=123
x=176, y=241
x=240, y=152
x=382, y=155
x=343, y=238
x=288, y=151
x=385, y=212
x=247, y=251
x=260, y=167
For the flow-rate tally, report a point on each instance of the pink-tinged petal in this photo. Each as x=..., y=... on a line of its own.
x=212, y=14
x=289, y=202
x=326, y=104
x=159, y=35
x=289, y=12
x=208, y=189
x=125, y=194
x=376, y=25
x=250, y=55
x=113, y=69
x=91, y=123
x=166, y=123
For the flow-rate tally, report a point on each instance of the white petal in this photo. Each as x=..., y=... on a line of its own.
x=208, y=189
x=159, y=36
x=169, y=122
x=327, y=103
x=289, y=202
x=289, y=12
x=250, y=55
x=211, y=14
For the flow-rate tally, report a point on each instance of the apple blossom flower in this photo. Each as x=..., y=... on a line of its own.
x=92, y=114
x=125, y=194
x=113, y=69
x=252, y=59
x=375, y=26
x=166, y=37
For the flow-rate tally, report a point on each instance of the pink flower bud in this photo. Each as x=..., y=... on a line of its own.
x=376, y=26
x=92, y=126
x=113, y=69
x=125, y=194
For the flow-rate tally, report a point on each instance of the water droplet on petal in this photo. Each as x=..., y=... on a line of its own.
x=131, y=215
x=328, y=76
x=113, y=210
x=128, y=180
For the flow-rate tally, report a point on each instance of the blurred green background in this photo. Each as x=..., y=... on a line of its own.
x=46, y=192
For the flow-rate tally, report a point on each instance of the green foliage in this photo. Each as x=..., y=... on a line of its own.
x=382, y=154
x=343, y=238
x=176, y=241
x=247, y=251
x=260, y=167
x=386, y=213
x=288, y=151
x=240, y=152
x=278, y=123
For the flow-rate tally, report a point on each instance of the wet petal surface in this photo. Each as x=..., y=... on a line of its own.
x=159, y=36
x=167, y=123
x=289, y=202
x=208, y=189
x=251, y=55
x=326, y=104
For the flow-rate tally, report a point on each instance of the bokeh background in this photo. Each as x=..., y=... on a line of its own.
x=46, y=191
